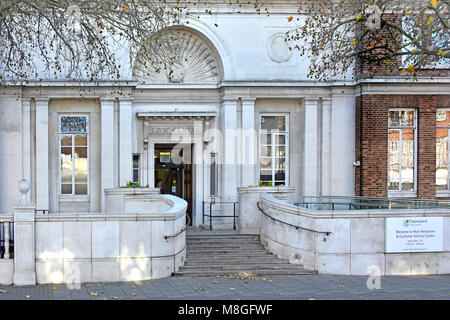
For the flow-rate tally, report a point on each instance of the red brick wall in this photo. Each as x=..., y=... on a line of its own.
x=371, y=136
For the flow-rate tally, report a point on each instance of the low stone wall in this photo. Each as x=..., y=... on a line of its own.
x=356, y=242
x=123, y=200
x=75, y=248
x=249, y=220
x=112, y=247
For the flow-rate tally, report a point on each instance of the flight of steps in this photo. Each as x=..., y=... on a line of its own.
x=230, y=254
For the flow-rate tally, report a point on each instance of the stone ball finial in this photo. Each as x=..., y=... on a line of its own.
x=24, y=187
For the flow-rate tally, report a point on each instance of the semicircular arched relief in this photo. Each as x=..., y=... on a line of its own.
x=176, y=56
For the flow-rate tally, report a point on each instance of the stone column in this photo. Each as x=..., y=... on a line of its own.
x=125, y=142
x=26, y=141
x=198, y=173
x=151, y=164
x=248, y=150
x=42, y=149
x=229, y=150
x=310, y=149
x=24, y=240
x=326, y=148
x=107, y=148
x=343, y=142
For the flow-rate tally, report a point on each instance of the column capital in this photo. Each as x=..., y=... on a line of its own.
x=126, y=99
x=230, y=100
x=311, y=100
x=42, y=101
x=107, y=100
x=248, y=102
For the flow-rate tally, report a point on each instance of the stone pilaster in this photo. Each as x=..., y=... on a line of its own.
x=24, y=245
x=125, y=142
x=42, y=160
x=107, y=148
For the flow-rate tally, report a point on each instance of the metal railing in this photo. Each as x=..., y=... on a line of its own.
x=211, y=216
x=368, y=203
x=290, y=224
x=6, y=240
x=181, y=231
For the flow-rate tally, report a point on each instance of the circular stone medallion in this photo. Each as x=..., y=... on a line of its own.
x=278, y=49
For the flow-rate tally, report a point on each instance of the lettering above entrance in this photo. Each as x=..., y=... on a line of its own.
x=176, y=56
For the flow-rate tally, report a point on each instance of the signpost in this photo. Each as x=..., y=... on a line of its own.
x=416, y=234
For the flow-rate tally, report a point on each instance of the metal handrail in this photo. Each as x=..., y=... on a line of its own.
x=289, y=224
x=210, y=216
x=180, y=232
x=175, y=235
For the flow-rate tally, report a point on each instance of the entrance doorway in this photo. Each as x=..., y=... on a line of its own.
x=173, y=172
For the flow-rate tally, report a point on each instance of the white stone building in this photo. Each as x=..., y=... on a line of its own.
x=74, y=140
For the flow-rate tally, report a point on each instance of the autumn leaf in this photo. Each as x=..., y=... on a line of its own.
x=359, y=17
x=408, y=11
x=430, y=20
x=411, y=68
x=125, y=8
x=442, y=53
x=290, y=19
x=433, y=3
x=354, y=43
x=373, y=44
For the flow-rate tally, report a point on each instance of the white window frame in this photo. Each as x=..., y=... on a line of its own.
x=73, y=195
x=286, y=115
x=446, y=192
x=138, y=169
x=400, y=193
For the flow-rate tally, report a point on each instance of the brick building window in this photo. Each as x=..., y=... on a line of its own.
x=442, y=149
x=402, y=151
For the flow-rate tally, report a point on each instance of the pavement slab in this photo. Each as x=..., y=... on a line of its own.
x=276, y=287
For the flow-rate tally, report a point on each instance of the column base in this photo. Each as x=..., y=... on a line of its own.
x=25, y=278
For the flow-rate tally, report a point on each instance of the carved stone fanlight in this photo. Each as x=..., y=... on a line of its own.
x=176, y=56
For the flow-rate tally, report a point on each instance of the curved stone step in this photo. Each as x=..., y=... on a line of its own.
x=246, y=266
x=233, y=260
x=261, y=272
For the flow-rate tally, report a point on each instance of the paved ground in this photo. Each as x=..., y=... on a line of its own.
x=303, y=287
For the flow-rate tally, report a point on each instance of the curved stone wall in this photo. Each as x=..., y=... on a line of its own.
x=355, y=244
x=112, y=247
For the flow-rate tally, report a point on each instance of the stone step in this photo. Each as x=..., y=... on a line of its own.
x=223, y=239
x=231, y=256
x=245, y=246
x=224, y=243
x=238, y=260
x=260, y=272
x=246, y=266
x=224, y=251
